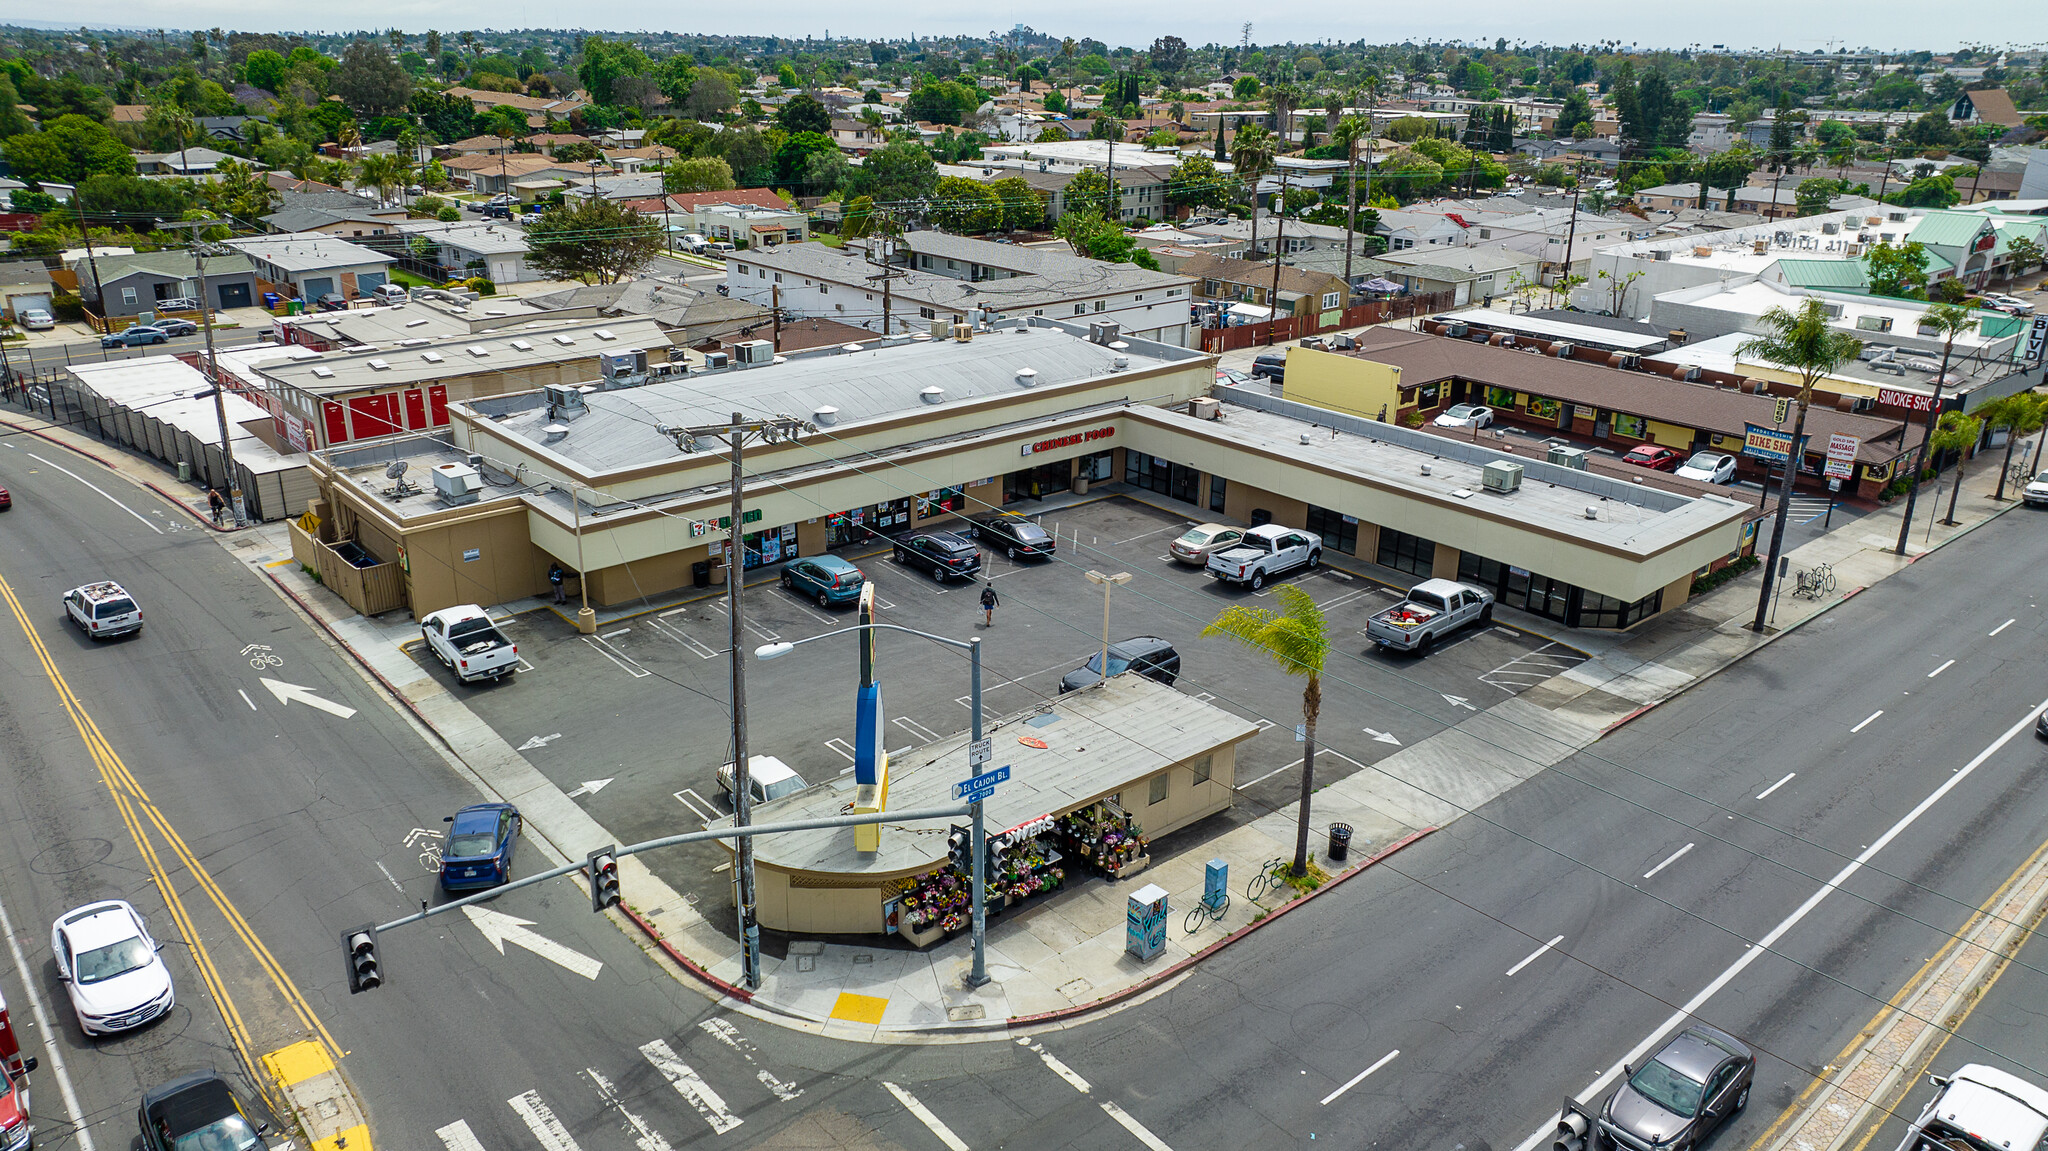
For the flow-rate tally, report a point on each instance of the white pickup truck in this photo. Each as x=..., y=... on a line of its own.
x=1980, y=1107
x=1268, y=551
x=467, y=641
x=1434, y=609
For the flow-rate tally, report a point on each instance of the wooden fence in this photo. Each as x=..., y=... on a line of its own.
x=371, y=590
x=1295, y=327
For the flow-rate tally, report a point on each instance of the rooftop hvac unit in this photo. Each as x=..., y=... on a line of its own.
x=1663, y=256
x=1562, y=350
x=565, y=401
x=1456, y=331
x=1566, y=456
x=753, y=352
x=1628, y=360
x=963, y=332
x=1689, y=372
x=1760, y=248
x=1501, y=476
x=457, y=484
x=1831, y=311
x=941, y=327
x=715, y=360
x=1205, y=407
x=1852, y=250
x=621, y=368
x=1830, y=229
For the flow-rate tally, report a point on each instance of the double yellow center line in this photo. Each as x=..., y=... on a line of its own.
x=139, y=814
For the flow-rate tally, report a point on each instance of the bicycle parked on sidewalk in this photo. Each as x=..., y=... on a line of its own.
x=1207, y=909
x=1266, y=879
x=1816, y=581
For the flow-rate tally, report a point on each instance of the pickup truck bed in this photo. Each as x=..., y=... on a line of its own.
x=1433, y=610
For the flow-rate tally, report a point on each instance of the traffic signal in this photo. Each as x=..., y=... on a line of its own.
x=992, y=855
x=604, y=878
x=364, y=972
x=959, y=845
x=1574, y=1131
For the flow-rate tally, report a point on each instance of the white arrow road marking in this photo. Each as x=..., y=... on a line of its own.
x=924, y=1115
x=691, y=1087
x=1360, y=1077
x=644, y=1137
x=1130, y=1124
x=729, y=1035
x=539, y=741
x=289, y=693
x=1060, y=1069
x=458, y=1137
x=500, y=929
x=1458, y=700
x=540, y=1119
x=1382, y=736
x=590, y=787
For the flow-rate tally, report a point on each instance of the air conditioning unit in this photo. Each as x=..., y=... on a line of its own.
x=1831, y=311
x=1852, y=250
x=1688, y=373
x=1562, y=350
x=1205, y=407
x=716, y=361
x=1566, y=456
x=1501, y=476
x=754, y=352
x=565, y=401
x=1455, y=331
x=1830, y=229
x=1628, y=360
x=457, y=484
x=963, y=332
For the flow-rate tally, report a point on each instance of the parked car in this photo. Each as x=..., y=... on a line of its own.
x=1266, y=552
x=15, y=1131
x=1232, y=376
x=1272, y=366
x=478, y=850
x=2009, y=304
x=693, y=242
x=198, y=1112
x=2035, y=494
x=1465, y=416
x=332, y=302
x=103, y=610
x=767, y=778
x=37, y=320
x=827, y=579
x=720, y=249
x=175, y=327
x=942, y=555
x=133, y=336
x=1655, y=458
x=388, y=293
x=1202, y=541
x=1148, y=655
x=110, y=967
x=1709, y=467
x=1014, y=534
x=6, y=500
x=465, y=639
x=1682, y=1094
x=1434, y=609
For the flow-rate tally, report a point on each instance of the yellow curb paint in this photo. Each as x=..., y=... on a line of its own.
x=279, y=563
x=298, y=1063
x=356, y=1138
x=859, y=1008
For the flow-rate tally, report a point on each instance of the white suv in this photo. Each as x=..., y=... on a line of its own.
x=103, y=609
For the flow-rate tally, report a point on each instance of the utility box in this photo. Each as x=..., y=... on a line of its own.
x=1567, y=456
x=1145, y=923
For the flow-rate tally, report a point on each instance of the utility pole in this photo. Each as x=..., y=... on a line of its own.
x=775, y=314
x=1571, y=232
x=92, y=264
x=211, y=369
x=735, y=435
x=1920, y=458
x=1279, y=234
x=1793, y=456
x=886, y=247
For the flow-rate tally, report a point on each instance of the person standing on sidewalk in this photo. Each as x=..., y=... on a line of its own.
x=988, y=604
x=556, y=576
x=218, y=505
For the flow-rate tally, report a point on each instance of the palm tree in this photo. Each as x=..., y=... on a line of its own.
x=1252, y=151
x=180, y=123
x=1804, y=343
x=382, y=172
x=1950, y=321
x=1297, y=638
x=1957, y=433
x=1349, y=133
x=2020, y=414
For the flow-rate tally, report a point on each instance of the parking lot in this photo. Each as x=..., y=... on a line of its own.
x=643, y=702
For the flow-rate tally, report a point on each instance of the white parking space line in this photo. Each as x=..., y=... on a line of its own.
x=1150, y=534
x=1788, y=779
x=540, y=1119
x=1130, y=1124
x=458, y=1137
x=2003, y=626
x=1360, y=1077
x=698, y=649
x=618, y=657
x=1866, y=721
x=1942, y=668
x=838, y=744
x=924, y=1115
x=615, y=634
x=1297, y=763
x=1060, y=1069
x=246, y=699
x=691, y=1087
x=645, y=1137
x=698, y=805
x=915, y=728
x=1535, y=955
x=1668, y=861
x=88, y=483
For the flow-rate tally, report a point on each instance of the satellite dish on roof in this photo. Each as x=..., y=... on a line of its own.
x=395, y=469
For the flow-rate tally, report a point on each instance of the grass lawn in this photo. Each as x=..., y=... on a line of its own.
x=827, y=239
x=410, y=280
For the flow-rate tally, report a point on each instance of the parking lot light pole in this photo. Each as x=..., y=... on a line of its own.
x=1107, y=582
x=978, y=975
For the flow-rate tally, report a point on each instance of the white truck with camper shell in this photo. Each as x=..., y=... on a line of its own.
x=1982, y=1109
x=1434, y=609
x=471, y=645
x=1267, y=552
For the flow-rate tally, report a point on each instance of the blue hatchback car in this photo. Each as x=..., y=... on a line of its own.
x=478, y=851
x=827, y=579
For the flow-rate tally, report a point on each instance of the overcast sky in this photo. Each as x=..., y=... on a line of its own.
x=1883, y=24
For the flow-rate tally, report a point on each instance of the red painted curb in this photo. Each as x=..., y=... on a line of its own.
x=710, y=980
x=1624, y=719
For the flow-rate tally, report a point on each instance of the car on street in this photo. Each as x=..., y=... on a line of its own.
x=1685, y=1091
x=103, y=610
x=6, y=500
x=1148, y=655
x=1653, y=457
x=942, y=555
x=478, y=850
x=1465, y=416
x=1272, y=366
x=2035, y=494
x=133, y=336
x=174, y=327
x=1978, y=1106
x=110, y=967
x=15, y=1131
x=1709, y=467
x=767, y=778
x=198, y=1112
x=1013, y=535
x=827, y=579
x=1198, y=543
x=37, y=320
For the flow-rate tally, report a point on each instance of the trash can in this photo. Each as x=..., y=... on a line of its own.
x=1340, y=842
x=700, y=574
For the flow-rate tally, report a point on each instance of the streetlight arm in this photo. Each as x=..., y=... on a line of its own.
x=772, y=650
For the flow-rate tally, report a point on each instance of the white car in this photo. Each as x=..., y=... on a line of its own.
x=1709, y=468
x=103, y=610
x=2036, y=492
x=1465, y=416
x=110, y=966
x=37, y=320
x=2011, y=304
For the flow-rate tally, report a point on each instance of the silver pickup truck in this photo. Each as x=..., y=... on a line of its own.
x=467, y=641
x=1434, y=609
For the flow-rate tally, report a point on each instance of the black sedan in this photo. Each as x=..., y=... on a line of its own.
x=942, y=555
x=198, y=1110
x=1148, y=655
x=1014, y=534
x=1697, y=1082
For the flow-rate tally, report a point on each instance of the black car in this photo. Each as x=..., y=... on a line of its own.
x=332, y=302
x=1272, y=365
x=1148, y=655
x=945, y=555
x=1014, y=534
x=198, y=1110
x=1697, y=1082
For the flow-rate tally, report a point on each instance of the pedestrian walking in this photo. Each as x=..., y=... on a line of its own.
x=218, y=505
x=556, y=576
x=988, y=604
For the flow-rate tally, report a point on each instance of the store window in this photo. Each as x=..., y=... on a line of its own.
x=1199, y=769
x=1099, y=468
x=1160, y=784
x=1403, y=552
x=1596, y=610
x=1634, y=427
x=1544, y=409
x=1157, y=474
x=1216, y=493
x=1500, y=397
x=769, y=547
x=1338, y=530
x=1426, y=395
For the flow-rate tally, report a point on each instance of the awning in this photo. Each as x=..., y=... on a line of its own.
x=1250, y=313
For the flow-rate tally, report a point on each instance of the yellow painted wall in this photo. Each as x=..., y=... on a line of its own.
x=1342, y=383
x=1670, y=435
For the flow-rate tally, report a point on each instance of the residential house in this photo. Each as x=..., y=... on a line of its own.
x=479, y=146
x=309, y=265
x=691, y=317
x=1541, y=151
x=166, y=281
x=342, y=214
x=494, y=250
x=857, y=137
x=634, y=159
x=495, y=175
x=539, y=110
x=1668, y=197
x=1405, y=229
x=222, y=127
x=1301, y=292
x=198, y=163
x=1472, y=275
x=1600, y=151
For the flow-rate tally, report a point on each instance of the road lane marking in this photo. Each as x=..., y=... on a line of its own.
x=1060, y=1069
x=290, y=693
x=1533, y=957
x=726, y=1033
x=645, y=1136
x=1942, y=668
x=1769, y=939
x=52, y=1051
x=540, y=1119
x=144, y=520
x=924, y=1115
x=458, y=1137
x=1866, y=721
x=2003, y=626
x=499, y=929
x=1389, y=1056
x=389, y=876
x=691, y=1087
x=246, y=699
x=1668, y=861
x=1129, y=1123
x=1777, y=785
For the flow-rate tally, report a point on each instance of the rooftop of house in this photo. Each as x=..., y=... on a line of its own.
x=307, y=251
x=670, y=305
x=1061, y=276
x=481, y=238
x=174, y=262
x=1257, y=274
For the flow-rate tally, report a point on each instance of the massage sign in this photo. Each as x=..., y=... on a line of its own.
x=1066, y=441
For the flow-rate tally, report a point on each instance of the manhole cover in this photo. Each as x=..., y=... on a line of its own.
x=864, y=957
x=966, y=1013
x=806, y=963
x=807, y=947
x=1076, y=988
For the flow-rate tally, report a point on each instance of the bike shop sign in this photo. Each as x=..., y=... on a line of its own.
x=1841, y=456
x=1769, y=444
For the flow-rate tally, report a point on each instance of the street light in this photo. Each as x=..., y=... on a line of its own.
x=978, y=892
x=1107, y=582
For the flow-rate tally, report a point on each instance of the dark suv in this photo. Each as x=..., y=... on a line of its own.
x=1271, y=365
x=1148, y=655
x=1014, y=534
x=946, y=555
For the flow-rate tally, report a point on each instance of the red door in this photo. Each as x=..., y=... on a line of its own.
x=337, y=423
x=415, y=409
x=374, y=415
x=437, y=401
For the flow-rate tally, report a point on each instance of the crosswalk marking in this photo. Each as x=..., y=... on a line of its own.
x=644, y=1137
x=1060, y=1069
x=540, y=1119
x=1130, y=1124
x=691, y=1087
x=729, y=1035
x=924, y=1115
x=458, y=1137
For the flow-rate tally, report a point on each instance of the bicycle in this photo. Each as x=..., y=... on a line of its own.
x=1267, y=878
x=1207, y=909
x=1816, y=581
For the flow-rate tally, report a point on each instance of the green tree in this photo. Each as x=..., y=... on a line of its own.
x=1052, y=135
x=964, y=206
x=711, y=94
x=1897, y=270
x=129, y=202
x=67, y=150
x=1296, y=638
x=1814, y=194
x=1408, y=129
x=942, y=102
x=369, y=80
x=1105, y=128
x=1805, y=343
x=595, y=241
x=1089, y=191
x=1938, y=191
x=265, y=69
x=1948, y=321
x=1090, y=235
x=803, y=113
x=858, y=219
x=2019, y=415
x=1577, y=110
x=1023, y=206
x=748, y=151
x=606, y=62
x=1196, y=183
x=702, y=174
x=2022, y=253
x=385, y=173
x=1956, y=432
x=898, y=172
x=1931, y=130
x=446, y=118
x=506, y=121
